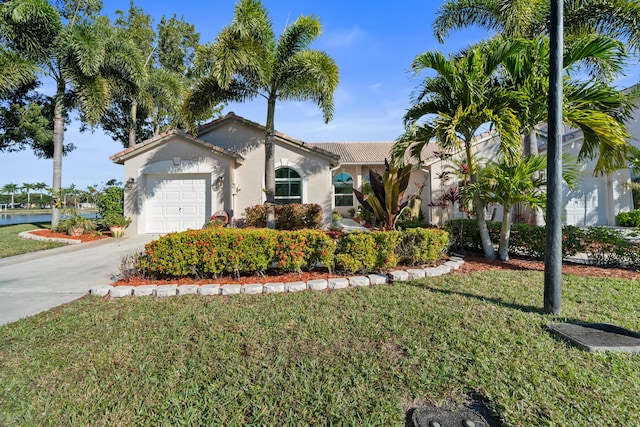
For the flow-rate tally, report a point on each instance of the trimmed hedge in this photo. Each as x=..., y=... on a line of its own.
x=293, y=216
x=629, y=219
x=603, y=246
x=214, y=251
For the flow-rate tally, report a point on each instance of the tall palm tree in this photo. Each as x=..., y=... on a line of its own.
x=20, y=34
x=511, y=183
x=11, y=189
x=27, y=187
x=527, y=19
x=40, y=186
x=247, y=61
x=452, y=106
x=77, y=51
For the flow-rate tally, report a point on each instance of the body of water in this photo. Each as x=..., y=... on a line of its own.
x=10, y=219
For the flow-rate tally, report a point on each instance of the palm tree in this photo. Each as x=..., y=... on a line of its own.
x=616, y=19
x=527, y=19
x=248, y=61
x=27, y=189
x=40, y=186
x=78, y=55
x=19, y=51
x=511, y=183
x=452, y=106
x=595, y=107
x=10, y=188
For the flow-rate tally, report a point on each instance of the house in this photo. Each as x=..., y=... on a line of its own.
x=176, y=181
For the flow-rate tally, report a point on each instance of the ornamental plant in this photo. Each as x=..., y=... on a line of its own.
x=292, y=216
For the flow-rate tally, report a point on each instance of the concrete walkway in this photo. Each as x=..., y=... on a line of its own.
x=35, y=282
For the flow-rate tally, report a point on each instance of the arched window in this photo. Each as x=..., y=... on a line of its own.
x=288, y=186
x=343, y=186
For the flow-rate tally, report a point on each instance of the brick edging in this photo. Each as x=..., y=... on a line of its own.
x=28, y=235
x=278, y=287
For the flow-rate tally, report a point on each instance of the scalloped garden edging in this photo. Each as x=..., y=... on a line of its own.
x=212, y=289
x=28, y=235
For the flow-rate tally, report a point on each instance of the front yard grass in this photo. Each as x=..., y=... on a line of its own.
x=361, y=356
x=11, y=244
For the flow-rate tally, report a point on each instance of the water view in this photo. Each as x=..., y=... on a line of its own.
x=11, y=218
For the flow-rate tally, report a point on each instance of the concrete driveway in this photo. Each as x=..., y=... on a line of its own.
x=35, y=282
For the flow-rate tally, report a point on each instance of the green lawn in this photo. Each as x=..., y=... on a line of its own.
x=360, y=356
x=11, y=244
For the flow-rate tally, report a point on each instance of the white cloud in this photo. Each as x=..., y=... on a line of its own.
x=344, y=38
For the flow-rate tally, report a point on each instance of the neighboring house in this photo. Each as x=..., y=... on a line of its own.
x=177, y=181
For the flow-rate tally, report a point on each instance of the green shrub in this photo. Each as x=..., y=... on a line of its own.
x=525, y=239
x=607, y=247
x=356, y=252
x=320, y=249
x=214, y=251
x=386, y=243
x=111, y=201
x=293, y=216
x=421, y=245
x=629, y=219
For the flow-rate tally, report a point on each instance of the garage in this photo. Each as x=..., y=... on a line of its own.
x=176, y=202
x=587, y=204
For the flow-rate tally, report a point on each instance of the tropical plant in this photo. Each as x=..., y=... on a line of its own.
x=451, y=107
x=386, y=200
x=27, y=187
x=145, y=105
x=590, y=28
x=248, y=61
x=78, y=51
x=11, y=189
x=40, y=186
x=528, y=19
x=511, y=183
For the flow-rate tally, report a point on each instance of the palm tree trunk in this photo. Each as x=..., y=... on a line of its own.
x=132, y=123
x=58, y=143
x=478, y=207
x=505, y=234
x=530, y=148
x=270, y=164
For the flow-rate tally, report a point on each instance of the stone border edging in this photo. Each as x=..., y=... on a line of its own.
x=28, y=235
x=453, y=263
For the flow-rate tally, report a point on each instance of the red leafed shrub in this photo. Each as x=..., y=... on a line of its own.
x=293, y=216
x=214, y=251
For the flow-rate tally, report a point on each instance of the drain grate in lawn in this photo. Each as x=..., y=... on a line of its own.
x=473, y=414
x=594, y=337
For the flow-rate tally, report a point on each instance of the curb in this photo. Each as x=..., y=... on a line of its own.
x=27, y=235
x=209, y=289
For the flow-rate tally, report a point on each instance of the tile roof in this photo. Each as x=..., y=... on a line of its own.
x=367, y=152
x=281, y=136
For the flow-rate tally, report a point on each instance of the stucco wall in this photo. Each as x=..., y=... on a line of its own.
x=314, y=170
x=175, y=157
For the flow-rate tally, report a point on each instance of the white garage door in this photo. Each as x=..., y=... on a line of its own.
x=175, y=203
x=587, y=204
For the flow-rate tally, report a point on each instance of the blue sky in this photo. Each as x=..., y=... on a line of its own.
x=373, y=45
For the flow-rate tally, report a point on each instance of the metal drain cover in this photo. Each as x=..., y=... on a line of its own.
x=598, y=336
x=438, y=417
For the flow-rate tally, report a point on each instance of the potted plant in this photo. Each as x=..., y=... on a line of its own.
x=75, y=224
x=336, y=218
x=116, y=224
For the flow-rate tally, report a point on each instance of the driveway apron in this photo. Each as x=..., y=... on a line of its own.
x=35, y=282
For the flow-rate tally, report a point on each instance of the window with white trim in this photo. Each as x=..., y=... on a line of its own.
x=343, y=189
x=288, y=186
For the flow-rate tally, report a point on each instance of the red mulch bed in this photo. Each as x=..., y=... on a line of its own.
x=84, y=238
x=473, y=263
